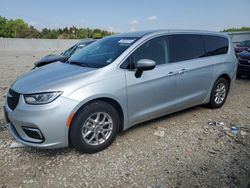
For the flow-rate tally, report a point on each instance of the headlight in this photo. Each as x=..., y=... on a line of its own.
x=41, y=98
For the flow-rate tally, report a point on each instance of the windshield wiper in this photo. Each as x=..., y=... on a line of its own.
x=79, y=63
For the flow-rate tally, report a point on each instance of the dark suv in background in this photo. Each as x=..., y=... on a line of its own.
x=244, y=63
x=240, y=47
x=64, y=55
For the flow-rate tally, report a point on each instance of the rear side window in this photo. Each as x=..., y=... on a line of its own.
x=185, y=46
x=215, y=45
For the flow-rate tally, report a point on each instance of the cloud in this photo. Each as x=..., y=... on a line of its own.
x=79, y=23
x=114, y=29
x=132, y=29
x=111, y=29
x=152, y=18
x=33, y=23
x=134, y=22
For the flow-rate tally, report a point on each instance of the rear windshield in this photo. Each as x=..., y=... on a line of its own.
x=245, y=43
x=102, y=52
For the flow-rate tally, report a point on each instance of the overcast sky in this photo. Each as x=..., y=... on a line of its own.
x=130, y=15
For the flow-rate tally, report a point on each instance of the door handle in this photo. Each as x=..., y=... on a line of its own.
x=172, y=73
x=177, y=72
x=181, y=71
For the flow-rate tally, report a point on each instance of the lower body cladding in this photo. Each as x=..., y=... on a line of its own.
x=40, y=126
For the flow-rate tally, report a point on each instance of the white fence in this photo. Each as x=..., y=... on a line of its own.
x=62, y=44
x=239, y=36
x=35, y=44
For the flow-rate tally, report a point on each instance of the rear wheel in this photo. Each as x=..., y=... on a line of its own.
x=219, y=93
x=95, y=127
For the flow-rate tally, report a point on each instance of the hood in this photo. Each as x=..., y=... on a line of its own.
x=49, y=59
x=239, y=49
x=244, y=55
x=53, y=77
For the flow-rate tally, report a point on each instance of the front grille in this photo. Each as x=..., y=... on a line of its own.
x=244, y=61
x=12, y=99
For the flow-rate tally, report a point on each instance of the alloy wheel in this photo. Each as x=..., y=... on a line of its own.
x=220, y=93
x=97, y=128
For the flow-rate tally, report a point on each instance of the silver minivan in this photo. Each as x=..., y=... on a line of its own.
x=117, y=82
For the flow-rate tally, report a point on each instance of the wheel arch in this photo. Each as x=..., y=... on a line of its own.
x=109, y=100
x=221, y=75
x=226, y=77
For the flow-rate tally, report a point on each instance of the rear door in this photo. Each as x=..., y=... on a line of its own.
x=187, y=51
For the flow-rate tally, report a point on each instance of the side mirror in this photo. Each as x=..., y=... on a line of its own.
x=144, y=65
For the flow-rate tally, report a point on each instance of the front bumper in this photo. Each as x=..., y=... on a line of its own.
x=41, y=126
x=244, y=67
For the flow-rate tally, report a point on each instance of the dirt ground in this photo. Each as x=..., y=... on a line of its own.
x=191, y=148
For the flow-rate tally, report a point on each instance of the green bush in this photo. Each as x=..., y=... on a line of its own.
x=237, y=29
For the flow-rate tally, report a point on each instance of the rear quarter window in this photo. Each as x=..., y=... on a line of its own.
x=215, y=45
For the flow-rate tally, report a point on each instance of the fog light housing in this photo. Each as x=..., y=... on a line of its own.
x=33, y=133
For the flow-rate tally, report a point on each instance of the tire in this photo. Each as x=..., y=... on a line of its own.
x=238, y=75
x=222, y=96
x=89, y=128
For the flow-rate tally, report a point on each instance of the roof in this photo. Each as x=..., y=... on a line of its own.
x=86, y=41
x=140, y=34
x=136, y=34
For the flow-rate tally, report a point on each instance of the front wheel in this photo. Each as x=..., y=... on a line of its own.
x=95, y=127
x=219, y=93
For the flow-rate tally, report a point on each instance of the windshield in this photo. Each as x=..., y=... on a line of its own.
x=68, y=52
x=244, y=43
x=102, y=52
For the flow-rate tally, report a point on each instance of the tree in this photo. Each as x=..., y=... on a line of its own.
x=17, y=28
x=82, y=33
x=97, y=35
x=3, y=22
x=49, y=34
x=237, y=29
x=20, y=29
x=33, y=32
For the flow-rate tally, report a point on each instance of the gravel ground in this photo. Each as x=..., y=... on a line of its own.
x=191, y=148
